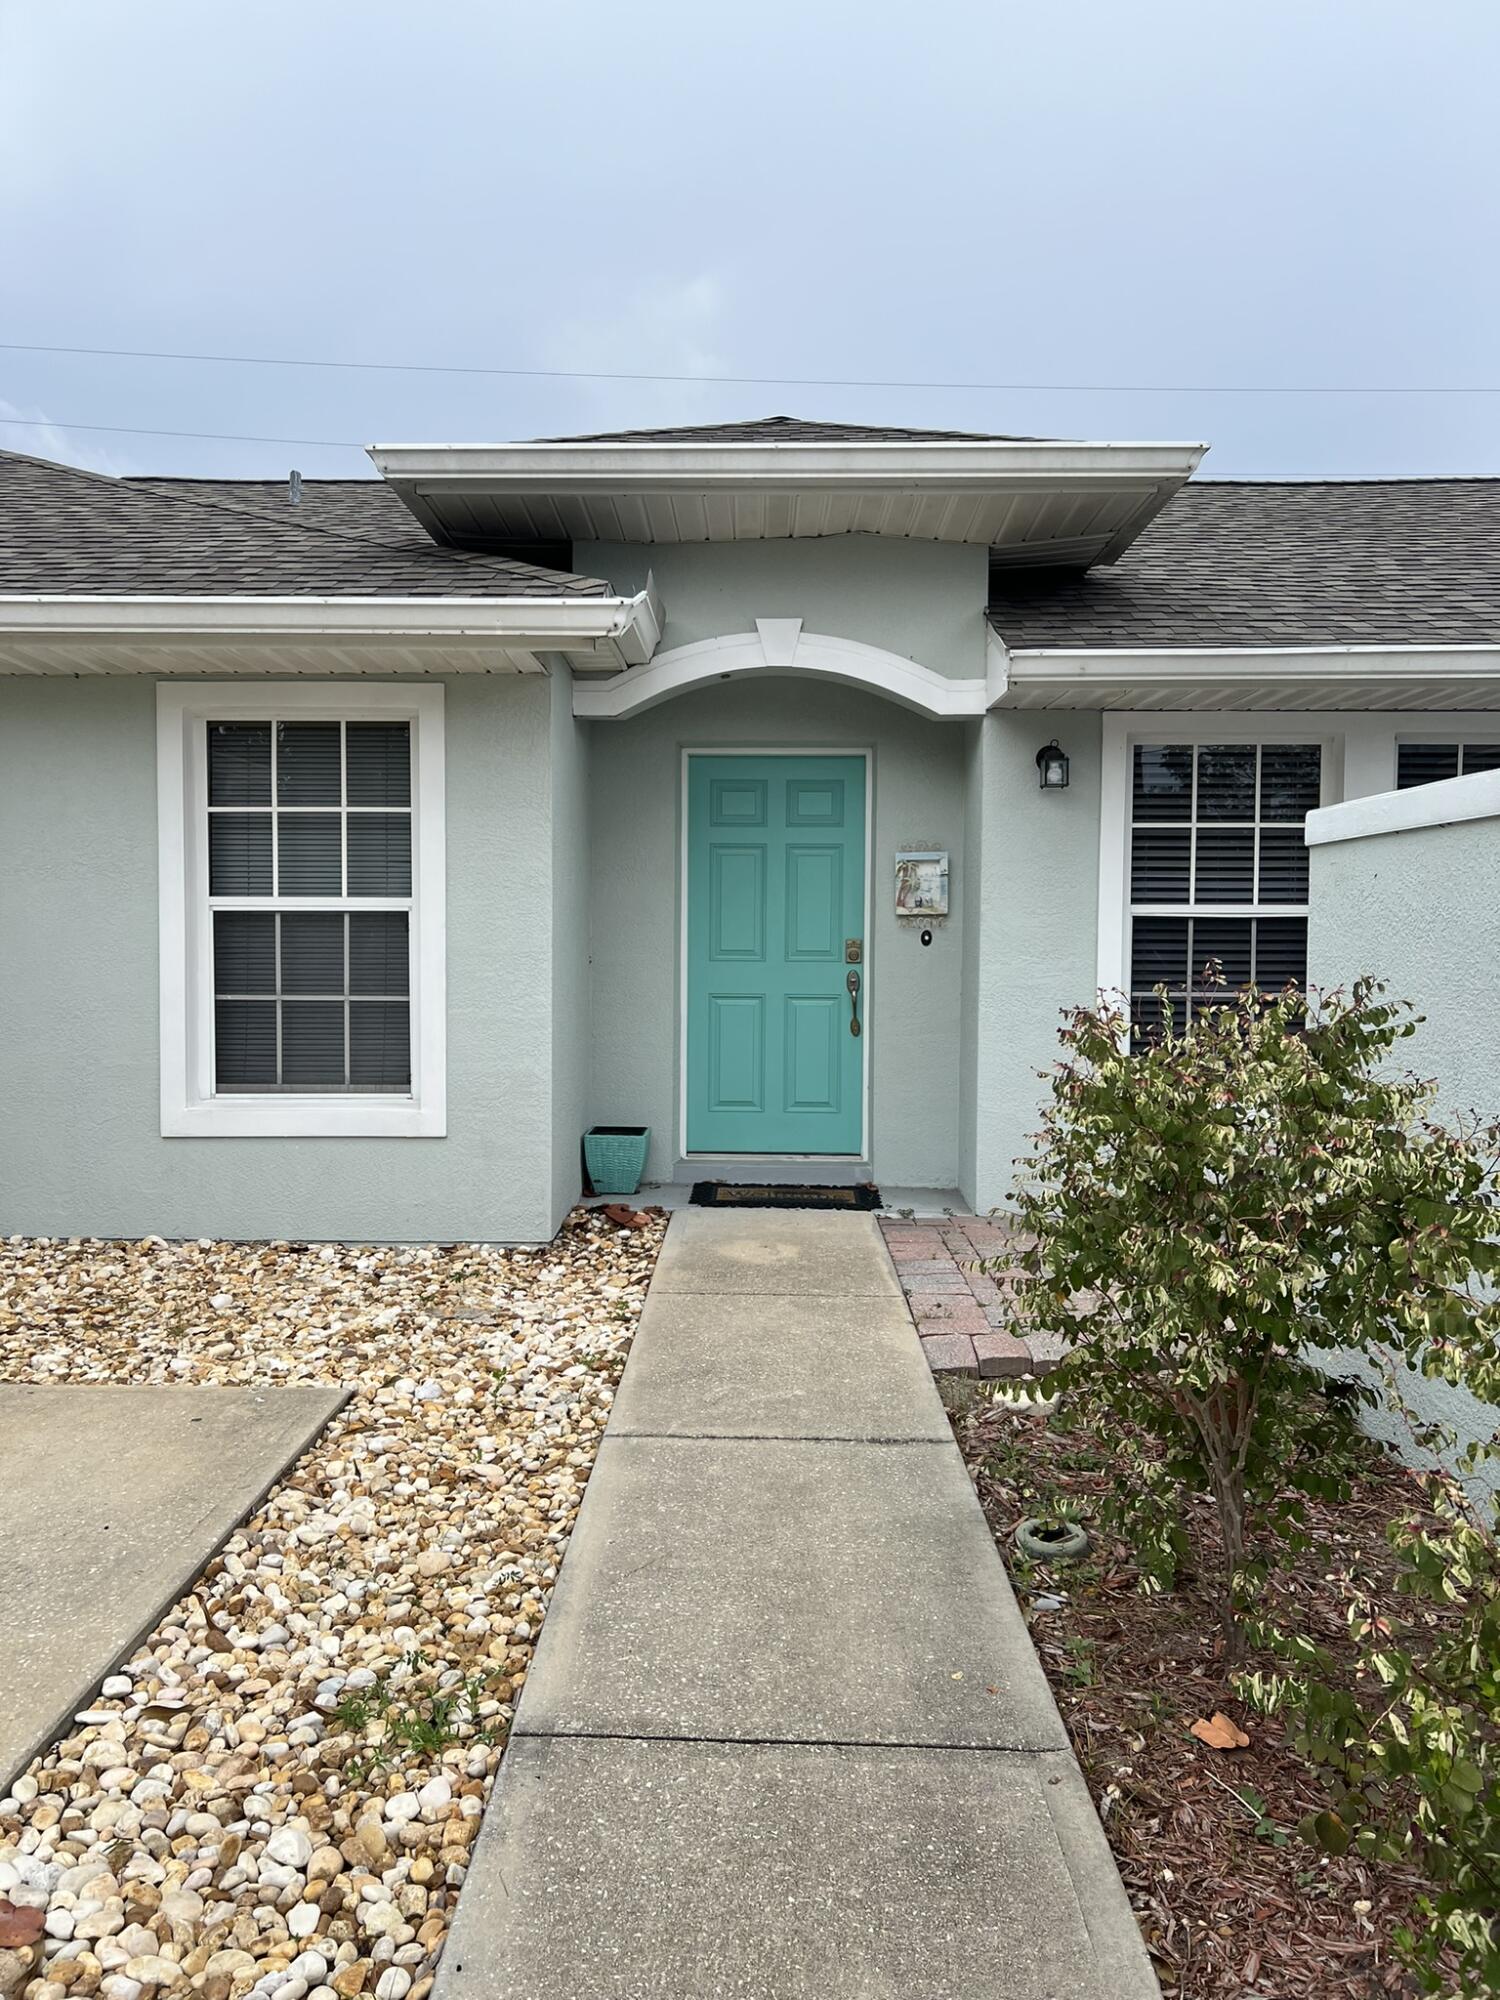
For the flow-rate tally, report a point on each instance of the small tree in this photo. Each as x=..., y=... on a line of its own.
x=1414, y=1746
x=1213, y=1200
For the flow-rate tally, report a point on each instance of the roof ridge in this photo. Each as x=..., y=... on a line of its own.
x=109, y=479
x=679, y=433
x=1356, y=479
x=269, y=529
x=493, y=565
x=236, y=479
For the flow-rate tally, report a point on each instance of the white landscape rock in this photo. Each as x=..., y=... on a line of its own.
x=221, y=1835
x=290, y=1845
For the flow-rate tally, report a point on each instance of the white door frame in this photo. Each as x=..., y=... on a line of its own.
x=769, y=750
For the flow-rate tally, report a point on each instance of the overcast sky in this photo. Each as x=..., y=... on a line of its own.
x=1191, y=194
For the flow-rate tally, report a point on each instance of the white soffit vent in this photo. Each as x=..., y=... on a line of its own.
x=1033, y=503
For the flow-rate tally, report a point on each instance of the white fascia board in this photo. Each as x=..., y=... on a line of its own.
x=1252, y=666
x=554, y=622
x=581, y=468
x=996, y=668
x=1448, y=802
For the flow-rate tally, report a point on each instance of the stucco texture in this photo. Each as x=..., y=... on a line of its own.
x=922, y=600
x=1034, y=952
x=83, y=1152
x=1420, y=909
x=912, y=990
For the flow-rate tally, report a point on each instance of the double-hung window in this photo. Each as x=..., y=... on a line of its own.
x=1217, y=869
x=302, y=919
x=1419, y=762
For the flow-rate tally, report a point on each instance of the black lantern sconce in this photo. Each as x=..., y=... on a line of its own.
x=1052, y=763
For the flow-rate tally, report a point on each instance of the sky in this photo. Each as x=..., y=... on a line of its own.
x=1109, y=219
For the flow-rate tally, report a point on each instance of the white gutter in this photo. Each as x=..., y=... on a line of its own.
x=1086, y=676
x=910, y=465
x=1158, y=664
x=629, y=625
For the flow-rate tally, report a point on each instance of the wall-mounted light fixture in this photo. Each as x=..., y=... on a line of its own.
x=1053, y=766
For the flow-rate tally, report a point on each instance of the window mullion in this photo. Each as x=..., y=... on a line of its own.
x=276, y=920
x=1260, y=752
x=344, y=810
x=1193, y=833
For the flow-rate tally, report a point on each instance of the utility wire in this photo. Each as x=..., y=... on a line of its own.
x=739, y=381
x=215, y=437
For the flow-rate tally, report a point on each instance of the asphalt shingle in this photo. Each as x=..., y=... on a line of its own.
x=784, y=430
x=1245, y=563
x=1227, y=563
x=66, y=531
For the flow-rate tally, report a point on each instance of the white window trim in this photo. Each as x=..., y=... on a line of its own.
x=1122, y=732
x=189, y=1106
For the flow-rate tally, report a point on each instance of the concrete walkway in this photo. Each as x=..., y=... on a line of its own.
x=785, y=1733
x=111, y=1501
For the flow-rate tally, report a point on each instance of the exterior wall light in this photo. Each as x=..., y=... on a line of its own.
x=1053, y=766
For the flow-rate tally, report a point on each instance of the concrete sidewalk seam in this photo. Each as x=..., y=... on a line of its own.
x=772, y=1437
x=748, y=1663
x=797, y=1742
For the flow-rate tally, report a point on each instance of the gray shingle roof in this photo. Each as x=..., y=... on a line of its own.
x=79, y=532
x=1228, y=563
x=784, y=430
x=1241, y=563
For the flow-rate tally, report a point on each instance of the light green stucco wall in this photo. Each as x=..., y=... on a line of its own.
x=1035, y=952
x=572, y=990
x=82, y=1151
x=922, y=600
x=1420, y=909
x=913, y=991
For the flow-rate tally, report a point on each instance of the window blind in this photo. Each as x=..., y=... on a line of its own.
x=1218, y=871
x=306, y=814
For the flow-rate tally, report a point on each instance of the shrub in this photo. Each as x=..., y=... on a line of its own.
x=1206, y=1207
x=1415, y=1751
x=1212, y=1201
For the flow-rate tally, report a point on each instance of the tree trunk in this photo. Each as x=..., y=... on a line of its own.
x=1229, y=1497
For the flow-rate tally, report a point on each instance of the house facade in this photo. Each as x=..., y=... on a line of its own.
x=771, y=785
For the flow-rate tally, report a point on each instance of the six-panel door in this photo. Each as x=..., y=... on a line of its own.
x=776, y=889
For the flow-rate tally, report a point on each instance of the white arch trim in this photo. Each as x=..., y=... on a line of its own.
x=778, y=646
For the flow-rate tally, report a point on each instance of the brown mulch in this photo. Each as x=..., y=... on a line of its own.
x=1233, y=1902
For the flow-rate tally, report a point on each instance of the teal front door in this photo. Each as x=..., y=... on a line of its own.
x=775, y=939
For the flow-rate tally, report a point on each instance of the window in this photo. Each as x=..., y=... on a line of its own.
x=315, y=818
x=1217, y=868
x=1426, y=763
x=302, y=881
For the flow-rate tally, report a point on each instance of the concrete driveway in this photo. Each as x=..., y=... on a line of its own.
x=113, y=1500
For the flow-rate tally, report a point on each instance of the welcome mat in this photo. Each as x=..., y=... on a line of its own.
x=752, y=1194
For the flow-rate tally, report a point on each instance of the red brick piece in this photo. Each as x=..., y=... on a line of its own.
x=949, y=1314
x=919, y=1284
x=988, y=1239
x=915, y=1247
x=949, y=1352
x=1001, y=1354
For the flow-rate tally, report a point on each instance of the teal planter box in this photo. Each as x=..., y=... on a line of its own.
x=616, y=1157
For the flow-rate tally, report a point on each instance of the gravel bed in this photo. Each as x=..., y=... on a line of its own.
x=278, y=1792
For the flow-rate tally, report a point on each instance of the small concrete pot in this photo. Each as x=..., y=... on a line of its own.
x=1051, y=1540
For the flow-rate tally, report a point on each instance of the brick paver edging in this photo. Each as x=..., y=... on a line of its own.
x=962, y=1312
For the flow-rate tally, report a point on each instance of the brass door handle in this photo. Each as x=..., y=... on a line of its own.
x=852, y=982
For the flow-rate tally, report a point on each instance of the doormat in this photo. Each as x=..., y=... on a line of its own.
x=741, y=1194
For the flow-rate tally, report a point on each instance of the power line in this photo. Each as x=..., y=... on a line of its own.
x=732, y=381
x=214, y=437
